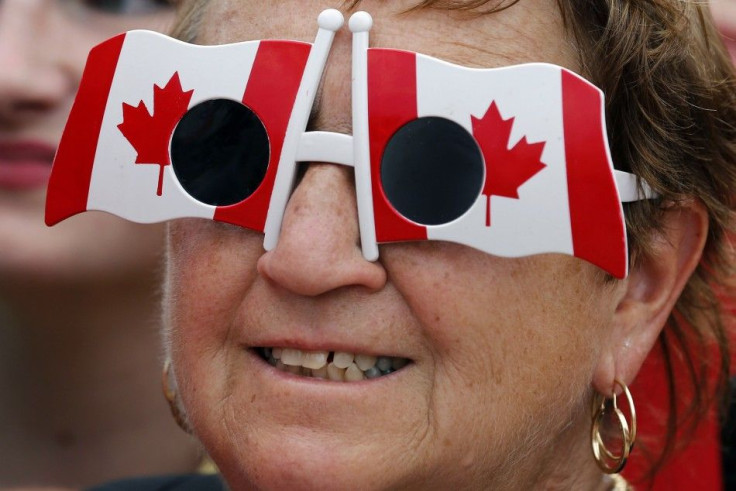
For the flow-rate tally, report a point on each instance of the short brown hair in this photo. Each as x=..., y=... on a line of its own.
x=671, y=114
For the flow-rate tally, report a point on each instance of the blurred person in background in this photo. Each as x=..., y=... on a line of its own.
x=78, y=303
x=724, y=13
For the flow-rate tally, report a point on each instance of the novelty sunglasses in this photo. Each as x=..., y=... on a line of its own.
x=512, y=161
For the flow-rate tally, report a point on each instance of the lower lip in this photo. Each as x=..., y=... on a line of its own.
x=19, y=175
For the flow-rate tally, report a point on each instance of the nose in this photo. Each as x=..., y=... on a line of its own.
x=319, y=246
x=33, y=76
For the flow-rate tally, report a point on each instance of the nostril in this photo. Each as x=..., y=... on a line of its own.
x=294, y=271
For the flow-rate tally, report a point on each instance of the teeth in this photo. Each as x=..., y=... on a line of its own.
x=292, y=357
x=365, y=362
x=335, y=373
x=337, y=366
x=383, y=363
x=343, y=360
x=315, y=359
x=353, y=373
x=320, y=372
x=288, y=368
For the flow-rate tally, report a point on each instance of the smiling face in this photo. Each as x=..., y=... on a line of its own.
x=495, y=356
x=43, y=47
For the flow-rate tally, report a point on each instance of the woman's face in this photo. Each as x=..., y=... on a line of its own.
x=501, y=350
x=43, y=47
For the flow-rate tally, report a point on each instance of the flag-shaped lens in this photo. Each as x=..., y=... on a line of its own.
x=220, y=152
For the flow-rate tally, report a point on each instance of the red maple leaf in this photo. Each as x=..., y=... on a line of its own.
x=506, y=168
x=150, y=133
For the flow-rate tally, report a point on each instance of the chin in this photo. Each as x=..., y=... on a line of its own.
x=94, y=248
x=296, y=463
x=255, y=451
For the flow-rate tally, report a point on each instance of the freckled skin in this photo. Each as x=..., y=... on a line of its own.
x=503, y=350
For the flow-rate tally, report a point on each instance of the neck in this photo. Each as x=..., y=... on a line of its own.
x=564, y=461
x=79, y=369
x=584, y=474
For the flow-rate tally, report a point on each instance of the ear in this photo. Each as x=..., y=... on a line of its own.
x=651, y=290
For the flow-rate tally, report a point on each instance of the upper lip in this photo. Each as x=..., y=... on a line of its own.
x=322, y=325
x=28, y=150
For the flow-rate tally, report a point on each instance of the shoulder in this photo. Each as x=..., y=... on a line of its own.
x=189, y=482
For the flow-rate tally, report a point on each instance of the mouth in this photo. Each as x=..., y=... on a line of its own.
x=337, y=366
x=25, y=165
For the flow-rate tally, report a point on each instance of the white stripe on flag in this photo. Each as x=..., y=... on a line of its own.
x=212, y=71
x=539, y=221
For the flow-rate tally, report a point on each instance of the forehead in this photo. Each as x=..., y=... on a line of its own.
x=528, y=31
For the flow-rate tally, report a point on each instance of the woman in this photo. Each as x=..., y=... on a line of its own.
x=492, y=370
x=78, y=304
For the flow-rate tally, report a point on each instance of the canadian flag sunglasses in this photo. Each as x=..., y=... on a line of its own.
x=512, y=161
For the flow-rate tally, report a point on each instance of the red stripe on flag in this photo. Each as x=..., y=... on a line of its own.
x=270, y=92
x=72, y=170
x=392, y=102
x=596, y=220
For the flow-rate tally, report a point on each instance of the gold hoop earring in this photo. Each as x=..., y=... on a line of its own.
x=608, y=461
x=172, y=397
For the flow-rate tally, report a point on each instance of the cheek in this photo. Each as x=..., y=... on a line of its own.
x=515, y=338
x=210, y=267
x=108, y=25
x=464, y=297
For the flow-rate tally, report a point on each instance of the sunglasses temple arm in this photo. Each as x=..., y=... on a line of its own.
x=632, y=188
x=329, y=21
x=360, y=25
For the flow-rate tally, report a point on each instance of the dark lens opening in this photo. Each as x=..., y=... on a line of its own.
x=432, y=170
x=220, y=152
